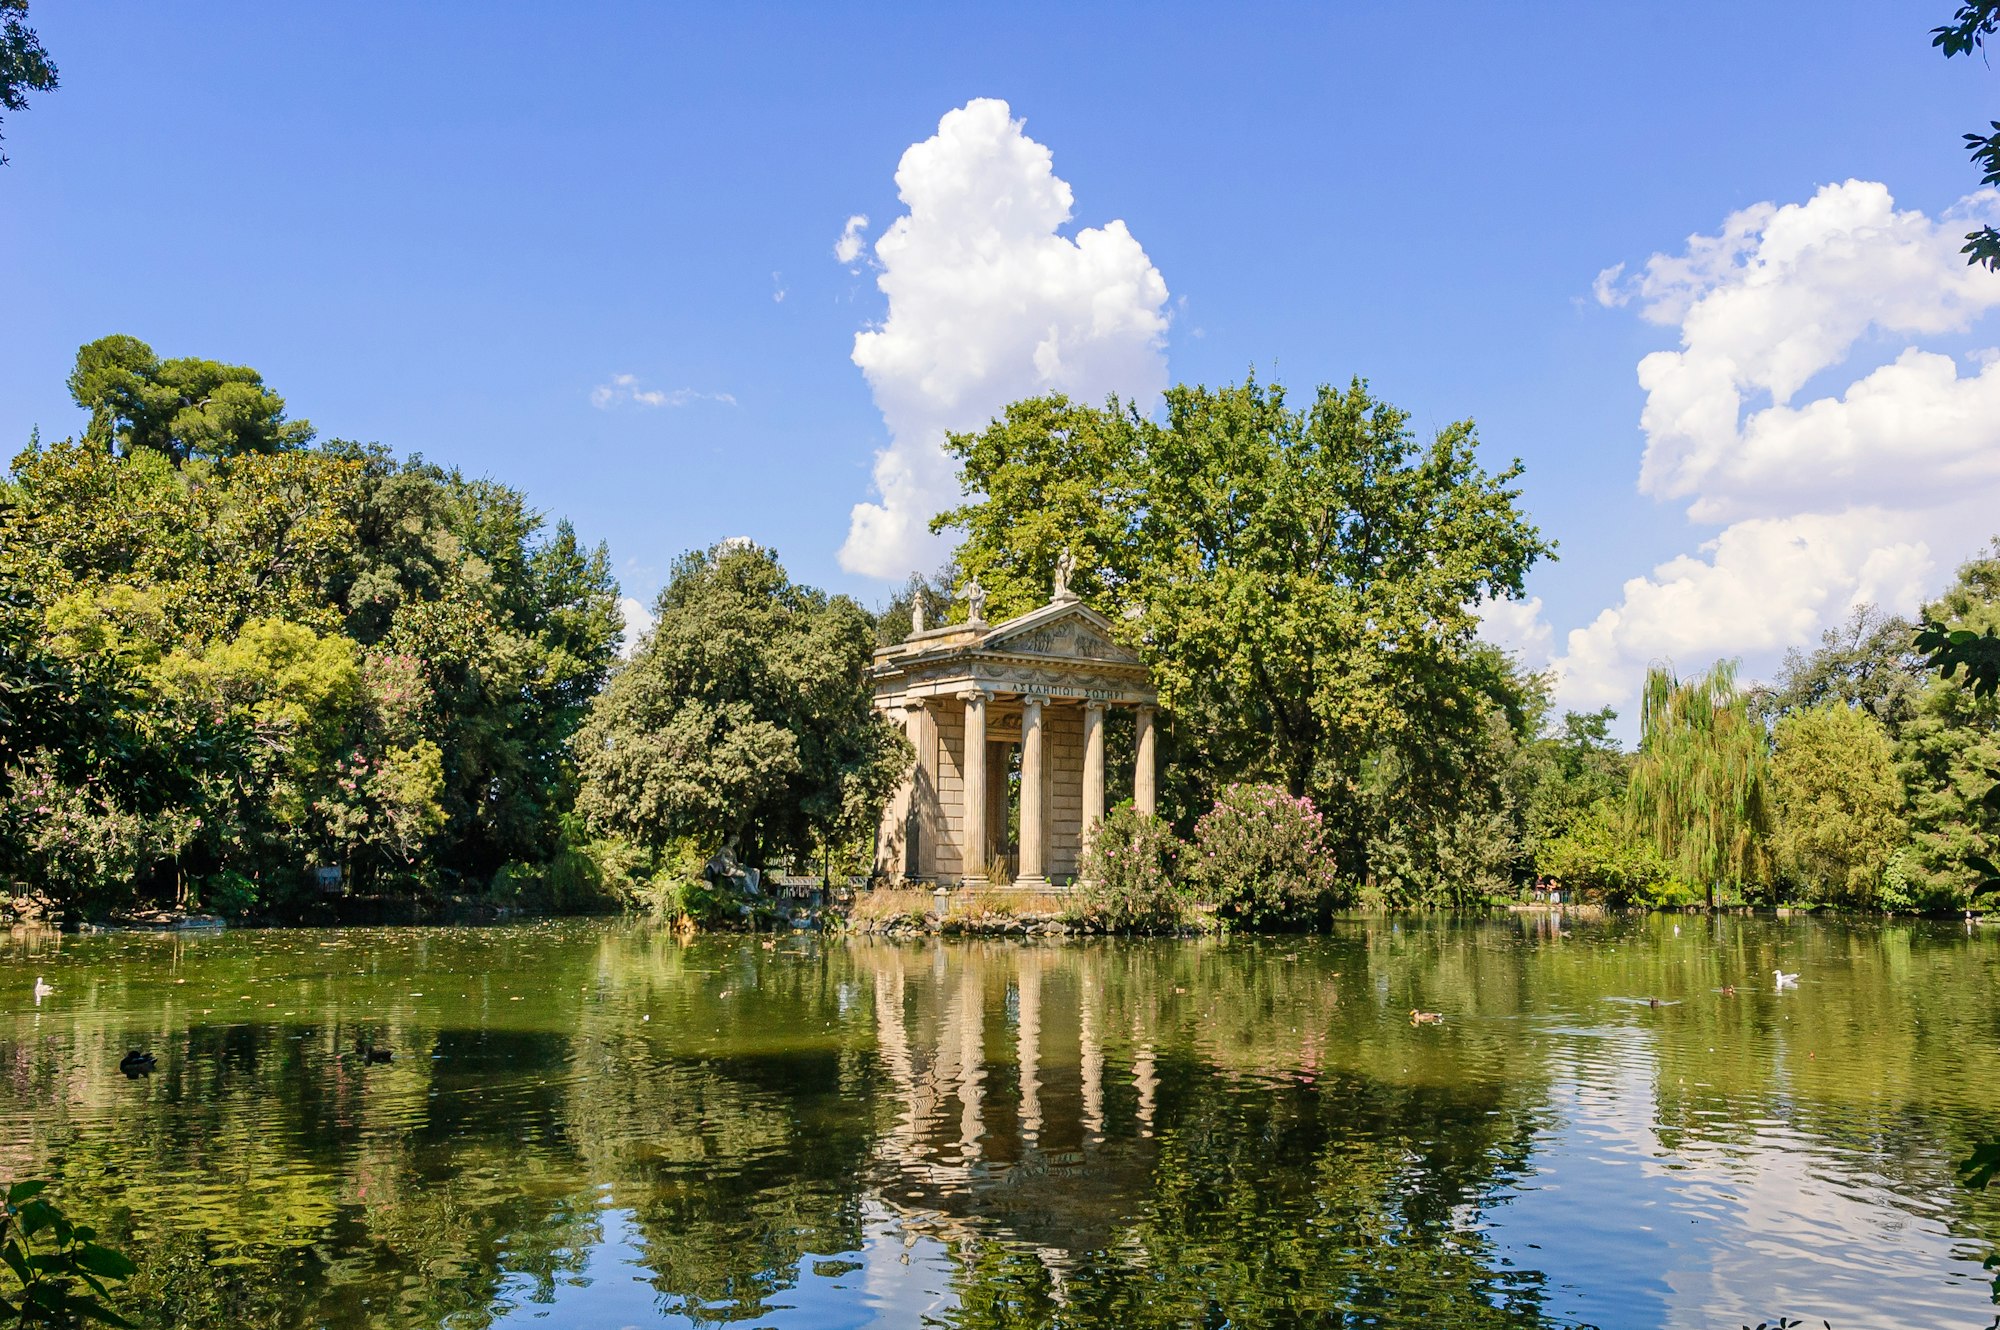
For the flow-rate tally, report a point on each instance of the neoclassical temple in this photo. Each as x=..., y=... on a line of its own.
x=966, y=694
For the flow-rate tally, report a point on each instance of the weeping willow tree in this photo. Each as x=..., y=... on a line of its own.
x=1700, y=786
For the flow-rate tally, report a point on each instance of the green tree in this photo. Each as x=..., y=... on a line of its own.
x=1568, y=772
x=1971, y=25
x=1949, y=751
x=1457, y=842
x=513, y=629
x=1598, y=852
x=24, y=66
x=1304, y=582
x=1700, y=785
x=1836, y=803
x=1866, y=661
x=183, y=408
x=747, y=717
x=169, y=612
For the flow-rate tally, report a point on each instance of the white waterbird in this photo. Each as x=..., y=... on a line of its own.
x=42, y=989
x=1785, y=980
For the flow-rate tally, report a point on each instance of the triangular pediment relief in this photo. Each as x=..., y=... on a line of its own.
x=1064, y=632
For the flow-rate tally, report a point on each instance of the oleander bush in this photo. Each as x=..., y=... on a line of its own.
x=1260, y=857
x=1128, y=876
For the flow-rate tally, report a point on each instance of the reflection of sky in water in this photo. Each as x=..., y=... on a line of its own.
x=1100, y=1127
x=1706, y=1231
x=895, y=1279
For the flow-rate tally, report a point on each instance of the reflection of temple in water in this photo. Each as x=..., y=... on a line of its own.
x=1010, y=1110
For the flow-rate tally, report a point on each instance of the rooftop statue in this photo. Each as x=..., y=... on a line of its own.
x=1065, y=569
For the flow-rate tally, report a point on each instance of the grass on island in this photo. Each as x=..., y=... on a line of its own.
x=885, y=905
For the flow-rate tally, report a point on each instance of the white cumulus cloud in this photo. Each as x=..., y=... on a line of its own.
x=988, y=303
x=1517, y=627
x=624, y=390
x=1866, y=492
x=638, y=622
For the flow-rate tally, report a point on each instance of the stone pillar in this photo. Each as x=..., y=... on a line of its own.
x=1093, y=768
x=920, y=784
x=977, y=848
x=1145, y=797
x=1034, y=827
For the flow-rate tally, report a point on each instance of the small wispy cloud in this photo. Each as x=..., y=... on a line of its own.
x=848, y=248
x=624, y=390
x=778, y=291
x=1610, y=287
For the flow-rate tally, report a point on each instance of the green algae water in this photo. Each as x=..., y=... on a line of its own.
x=598, y=1124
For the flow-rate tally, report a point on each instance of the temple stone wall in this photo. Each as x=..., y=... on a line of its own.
x=948, y=862
x=1063, y=789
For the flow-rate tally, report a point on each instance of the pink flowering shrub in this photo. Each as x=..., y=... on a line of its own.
x=1260, y=857
x=1128, y=875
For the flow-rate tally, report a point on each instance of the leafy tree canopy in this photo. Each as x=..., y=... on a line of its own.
x=1837, y=802
x=1700, y=786
x=183, y=408
x=745, y=717
x=1304, y=580
x=1865, y=662
x=223, y=664
x=24, y=66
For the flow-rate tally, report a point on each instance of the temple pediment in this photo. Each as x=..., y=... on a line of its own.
x=1069, y=632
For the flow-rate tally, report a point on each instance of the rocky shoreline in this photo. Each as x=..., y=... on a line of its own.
x=991, y=925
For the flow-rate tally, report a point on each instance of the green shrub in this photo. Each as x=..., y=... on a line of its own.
x=572, y=881
x=1260, y=857
x=227, y=893
x=1127, y=875
x=1598, y=854
x=677, y=889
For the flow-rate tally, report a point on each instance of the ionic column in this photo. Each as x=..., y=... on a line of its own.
x=1093, y=768
x=1034, y=831
x=975, y=851
x=920, y=781
x=1144, y=796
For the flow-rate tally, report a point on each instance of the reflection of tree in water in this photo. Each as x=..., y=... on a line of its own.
x=1144, y=1184
x=731, y=1187
x=735, y=1132
x=1249, y=1132
x=1270, y=1204
x=284, y=1190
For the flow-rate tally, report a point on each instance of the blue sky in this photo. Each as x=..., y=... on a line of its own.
x=452, y=228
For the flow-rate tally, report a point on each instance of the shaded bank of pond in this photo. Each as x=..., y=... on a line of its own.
x=596, y=1123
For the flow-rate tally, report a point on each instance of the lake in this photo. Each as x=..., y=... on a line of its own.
x=595, y=1123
